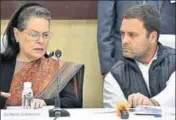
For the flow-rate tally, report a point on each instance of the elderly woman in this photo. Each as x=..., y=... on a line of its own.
x=25, y=60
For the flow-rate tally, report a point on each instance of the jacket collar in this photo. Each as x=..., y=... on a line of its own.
x=161, y=54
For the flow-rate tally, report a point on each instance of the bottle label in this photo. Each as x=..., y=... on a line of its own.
x=27, y=100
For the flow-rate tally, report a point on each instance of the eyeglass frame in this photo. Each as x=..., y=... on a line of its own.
x=38, y=34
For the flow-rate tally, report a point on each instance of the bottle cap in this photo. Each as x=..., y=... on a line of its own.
x=27, y=84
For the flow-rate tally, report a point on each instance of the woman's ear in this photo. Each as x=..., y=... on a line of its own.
x=153, y=37
x=16, y=34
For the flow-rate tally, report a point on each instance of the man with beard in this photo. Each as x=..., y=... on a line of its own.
x=146, y=74
x=109, y=16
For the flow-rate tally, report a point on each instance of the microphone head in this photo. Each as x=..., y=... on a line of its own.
x=51, y=54
x=58, y=53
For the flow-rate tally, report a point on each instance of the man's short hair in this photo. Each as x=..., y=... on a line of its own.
x=147, y=14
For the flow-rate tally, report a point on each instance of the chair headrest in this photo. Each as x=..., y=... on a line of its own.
x=3, y=43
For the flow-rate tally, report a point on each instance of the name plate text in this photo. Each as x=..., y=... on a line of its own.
x=25, y=114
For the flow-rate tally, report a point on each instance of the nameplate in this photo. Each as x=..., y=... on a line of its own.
x=24, y=114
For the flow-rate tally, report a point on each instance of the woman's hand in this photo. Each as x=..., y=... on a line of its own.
x=38, y=103
x=4, y=94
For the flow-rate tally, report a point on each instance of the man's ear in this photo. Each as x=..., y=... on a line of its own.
x=153, y=37
x=16, y=34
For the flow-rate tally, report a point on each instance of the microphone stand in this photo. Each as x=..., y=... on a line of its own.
x=57, y=111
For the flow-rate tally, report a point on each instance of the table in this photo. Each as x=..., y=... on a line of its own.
x=97, y=114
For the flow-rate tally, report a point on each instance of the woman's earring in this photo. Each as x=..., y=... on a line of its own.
x=17, y=41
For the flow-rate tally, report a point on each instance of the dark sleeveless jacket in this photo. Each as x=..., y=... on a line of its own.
x=130, y=78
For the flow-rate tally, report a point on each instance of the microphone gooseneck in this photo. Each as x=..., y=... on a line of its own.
x=58, y=54
x=57, y=111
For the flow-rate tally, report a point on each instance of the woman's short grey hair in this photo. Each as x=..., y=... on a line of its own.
x=33, y=11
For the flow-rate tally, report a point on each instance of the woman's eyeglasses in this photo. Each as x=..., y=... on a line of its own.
x=35, y=35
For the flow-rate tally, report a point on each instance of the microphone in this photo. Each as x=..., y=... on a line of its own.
x=58, y=54
x=49, y=54
x=57, y=111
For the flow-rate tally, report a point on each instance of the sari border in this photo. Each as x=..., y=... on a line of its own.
x=66, y=72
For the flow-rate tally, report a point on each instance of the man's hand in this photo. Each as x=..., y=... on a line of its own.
x=139, y=99
x=4, y=94
x=38, y=103
x=121, y=106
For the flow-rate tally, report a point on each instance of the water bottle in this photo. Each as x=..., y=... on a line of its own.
x=27, y=95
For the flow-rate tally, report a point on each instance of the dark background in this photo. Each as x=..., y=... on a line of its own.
x=60, y=9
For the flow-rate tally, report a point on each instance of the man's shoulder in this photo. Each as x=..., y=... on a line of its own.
x=118, y=65
x=169, y=51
